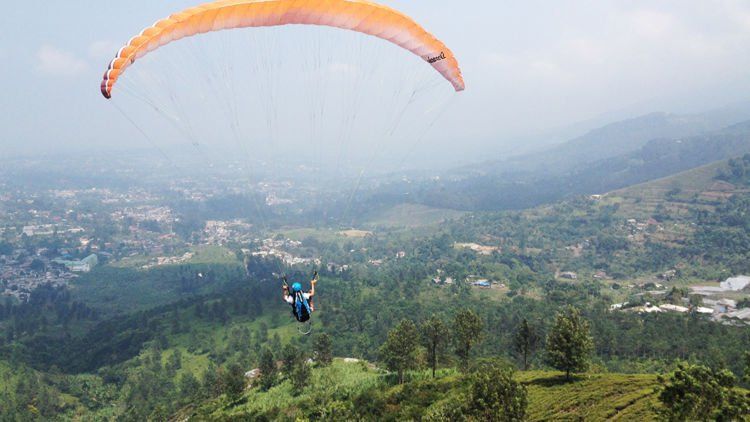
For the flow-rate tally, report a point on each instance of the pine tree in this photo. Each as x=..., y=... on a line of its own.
x=525, y=342
x=300, y=375
x=323, y=349
x=290, y=357
x=400, y=349
x=435, y=336
x=189, y=386
x=467, y=333
x=268, y=370
x=234, y=381
x=569, y=343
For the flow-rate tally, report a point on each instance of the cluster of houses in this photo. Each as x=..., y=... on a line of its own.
x=169, y=260
x=475, y=281
x=79, y=266
x=217, y=232
x=714, y=302
x=649, y=308
x=161, y=215
x=21, y=273
x=280, y=249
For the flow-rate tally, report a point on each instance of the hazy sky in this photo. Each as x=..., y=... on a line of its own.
x=530, y=66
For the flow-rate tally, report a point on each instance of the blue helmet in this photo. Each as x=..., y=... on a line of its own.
x=296, y=287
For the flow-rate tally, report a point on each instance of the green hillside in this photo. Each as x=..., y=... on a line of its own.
x=358, y=390
x=642, y=200
x=147, y=343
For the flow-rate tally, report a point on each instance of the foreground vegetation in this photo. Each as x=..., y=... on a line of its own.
x=355, y=390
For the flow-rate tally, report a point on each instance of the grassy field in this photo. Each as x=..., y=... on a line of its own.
x=356, y=234
x=323, y=235
x=201, y=254
x=412, y=215
x=595, y=397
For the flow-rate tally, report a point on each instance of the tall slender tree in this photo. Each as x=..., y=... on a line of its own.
x=435, y=337
x=290, y=355
x=323, y=349
x=268, y=369
x=467, y=333
x=525, y=342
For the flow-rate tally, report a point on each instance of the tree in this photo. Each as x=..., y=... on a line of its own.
x=233, y=380
x=698, y=393
x=525, y=342
x=300, y=375
x=174, y=362
x=268, y=370
x=323, y=349
x=190, y=388
x=37, y=265
x=210, y=380
x=399, y=352
x=747, y=367
x=435, y=335
x=569, y=343
x=467, y=333
x=290, y=356
x=495, y=395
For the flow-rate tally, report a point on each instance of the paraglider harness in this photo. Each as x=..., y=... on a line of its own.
x=301, y=307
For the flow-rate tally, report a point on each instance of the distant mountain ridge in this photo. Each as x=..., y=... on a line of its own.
x=612, y=157
x=622, y=137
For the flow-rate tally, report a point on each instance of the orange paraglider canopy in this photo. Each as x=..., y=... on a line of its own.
x=356, y=15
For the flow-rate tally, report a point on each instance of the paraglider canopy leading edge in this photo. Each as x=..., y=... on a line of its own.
x=355, y=15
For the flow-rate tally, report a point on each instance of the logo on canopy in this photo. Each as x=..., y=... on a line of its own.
x=436, y=59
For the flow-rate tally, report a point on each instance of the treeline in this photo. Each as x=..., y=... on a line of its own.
x=690, y=392
x=26, y=395
x=737, y=171
x=724, y=235
x=48, y=307
x=121, y=338
x=483, y=389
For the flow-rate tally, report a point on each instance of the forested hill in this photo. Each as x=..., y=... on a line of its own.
x=619, y=138
x=493, y=187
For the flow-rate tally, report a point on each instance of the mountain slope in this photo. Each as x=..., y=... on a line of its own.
x=495, y=191
x=622, y=137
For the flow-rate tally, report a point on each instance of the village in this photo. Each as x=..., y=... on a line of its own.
x=44, y=242
x=727, y=303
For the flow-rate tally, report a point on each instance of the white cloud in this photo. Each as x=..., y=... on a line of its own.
x=54, y=61
x=102, y=50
